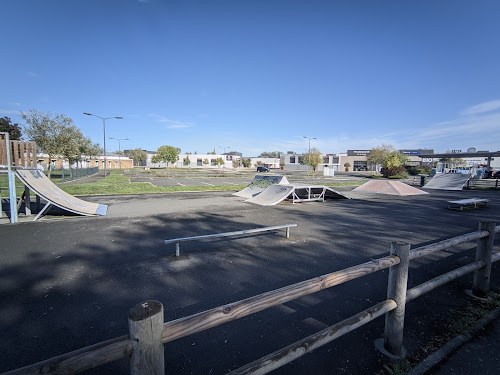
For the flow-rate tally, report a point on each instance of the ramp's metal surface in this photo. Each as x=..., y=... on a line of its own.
x=43, y=187
x=259, y=184
x=448, y=181
x=389, y=187
x=275, y=194
x=272, y=195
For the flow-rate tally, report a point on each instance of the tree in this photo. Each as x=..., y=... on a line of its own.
x=13, y=129
x=46, y=130
x=119, y=152
x=272, y=154
x=377, y=155
x=347, y=165
x=391, y=160
x=246, y=162
x=313, y=158
x=138, y=155
x=236, y=163
x=186, y=160
x=219, y=161
x=167, y=154
x=205, y=161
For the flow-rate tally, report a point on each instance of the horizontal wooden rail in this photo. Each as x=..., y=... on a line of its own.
x=445, y=278
x=81, y=359
x=288, y=354
x=445, y=244
x=186, y=326
x=228, y=234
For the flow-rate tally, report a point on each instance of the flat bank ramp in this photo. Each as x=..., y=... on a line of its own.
x=389, y=187
x=448, y=181
x=259, y=184
x=41, y=185
x=275, y=194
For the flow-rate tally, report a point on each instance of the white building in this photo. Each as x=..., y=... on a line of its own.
x=198, y=161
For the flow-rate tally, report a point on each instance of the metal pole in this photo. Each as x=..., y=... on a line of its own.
x=104, y=132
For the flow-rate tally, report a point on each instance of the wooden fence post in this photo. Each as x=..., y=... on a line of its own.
x=145, y=322
x=484, y=250
x=396, y=290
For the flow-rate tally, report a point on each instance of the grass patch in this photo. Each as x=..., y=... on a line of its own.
x=115, y=183
x=458, y=322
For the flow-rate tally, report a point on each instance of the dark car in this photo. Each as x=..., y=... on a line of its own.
x=496, y=174
x=261, y=168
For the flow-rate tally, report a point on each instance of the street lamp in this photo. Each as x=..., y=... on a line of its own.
x=308, y=155
x=104, y=133
x=119, y=150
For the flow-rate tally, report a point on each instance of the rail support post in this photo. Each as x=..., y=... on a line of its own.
x=396, y=290
x=145, y=321
x=484, y=251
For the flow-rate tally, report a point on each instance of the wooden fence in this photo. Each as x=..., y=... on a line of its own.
x=148, y=333
x=22, y=154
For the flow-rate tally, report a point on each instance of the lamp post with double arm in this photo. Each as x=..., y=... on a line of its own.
x=104, y=132
x=309, y=154
x=119, y=150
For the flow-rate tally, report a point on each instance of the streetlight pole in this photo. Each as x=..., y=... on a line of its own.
x=309, y=154
x=119, y=150
x=224, y=150
x=104, y=132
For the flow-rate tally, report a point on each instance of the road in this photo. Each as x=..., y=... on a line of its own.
x=67, y=281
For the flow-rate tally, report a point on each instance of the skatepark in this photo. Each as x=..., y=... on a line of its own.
x=71, y=280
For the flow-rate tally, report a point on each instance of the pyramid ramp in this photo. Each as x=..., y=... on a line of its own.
x=259, y=184
x=41, y=185
x=389, y=187
x=275, y=194
x=448, y=181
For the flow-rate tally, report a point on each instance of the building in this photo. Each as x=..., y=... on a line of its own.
x=113, y=162
x=356, y=159
x=199, y=161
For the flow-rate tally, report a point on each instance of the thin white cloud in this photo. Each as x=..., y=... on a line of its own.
x=490, y=106
x=32, y=74
x=9, y=112
x=174, y=124
x=15, y=104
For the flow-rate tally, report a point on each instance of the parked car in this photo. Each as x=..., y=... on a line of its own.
x=261, y=168
x=496, y=174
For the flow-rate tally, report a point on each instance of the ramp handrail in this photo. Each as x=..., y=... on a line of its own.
x=120, y=347
x=228, y=234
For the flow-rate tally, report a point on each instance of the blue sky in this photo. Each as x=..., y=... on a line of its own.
x=258, y=75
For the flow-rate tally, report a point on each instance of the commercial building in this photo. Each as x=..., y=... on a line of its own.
x=356, y=159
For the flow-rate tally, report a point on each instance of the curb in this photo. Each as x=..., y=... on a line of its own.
x=451, y=346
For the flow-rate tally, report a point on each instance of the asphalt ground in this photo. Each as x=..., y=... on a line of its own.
x=69, y=281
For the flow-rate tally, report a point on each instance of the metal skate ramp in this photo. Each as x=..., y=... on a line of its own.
x=41, y=185
x=259, y=184
x=448, y=181
x=275, y=194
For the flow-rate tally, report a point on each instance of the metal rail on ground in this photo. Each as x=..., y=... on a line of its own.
x=228, y=234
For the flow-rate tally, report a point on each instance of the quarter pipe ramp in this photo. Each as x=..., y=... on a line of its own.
x=448, y=181
x=41, y=185
x=259, y=184
x=275, y=194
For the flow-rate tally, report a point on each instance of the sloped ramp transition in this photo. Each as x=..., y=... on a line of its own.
x=389, y=187
x=275, y=194
x=41, y=185
x=259, y=184
x=448, y=181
